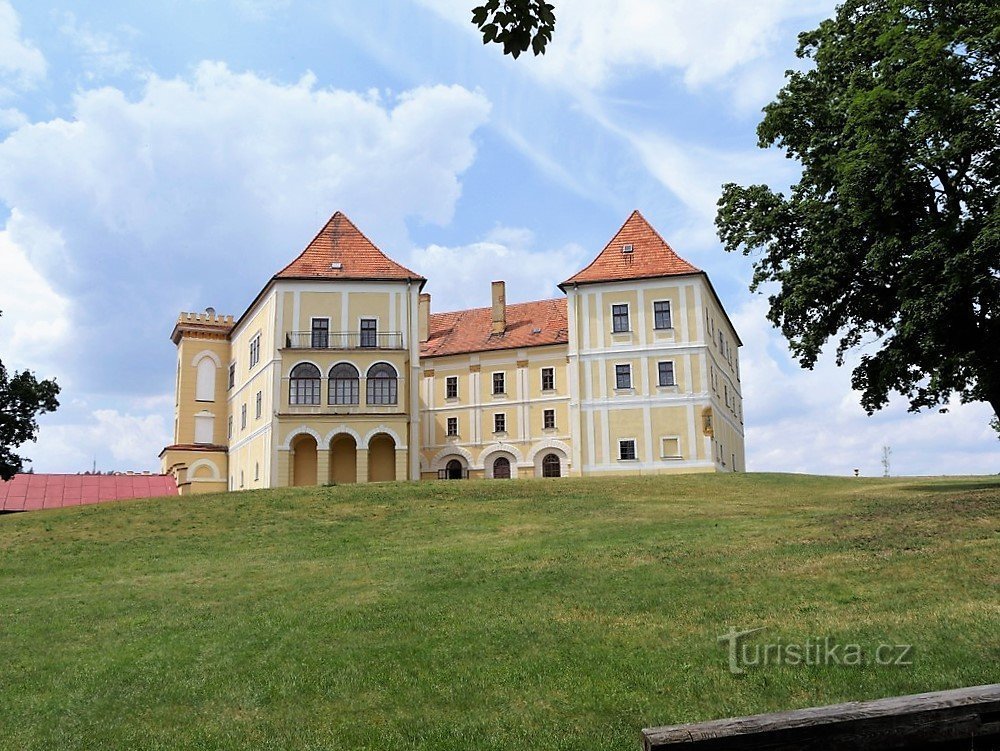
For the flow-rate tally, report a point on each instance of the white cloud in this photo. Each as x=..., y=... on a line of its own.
x=197, y=190
x=102, y=53
x=459, y=277
x=76, y=436
x=22, y=65
x=597, y=41
x=812, y=421
x=35, y=323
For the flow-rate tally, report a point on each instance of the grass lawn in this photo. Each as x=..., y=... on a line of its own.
x=560, y=614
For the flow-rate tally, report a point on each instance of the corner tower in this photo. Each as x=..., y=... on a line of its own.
x=653, y=361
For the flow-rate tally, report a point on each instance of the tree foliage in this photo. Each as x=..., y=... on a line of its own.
x=891, y=237
x=516, y=24
x=22, y=399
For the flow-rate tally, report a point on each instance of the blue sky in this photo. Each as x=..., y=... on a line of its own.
x=140, y=140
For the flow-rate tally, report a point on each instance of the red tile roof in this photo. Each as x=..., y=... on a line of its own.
x=33, y=492
x=341, y=251
x=651, y=256
x=529, y=324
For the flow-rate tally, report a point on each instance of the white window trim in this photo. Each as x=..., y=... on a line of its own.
x=496, y=373
x=447, y=434
x=631, y=378
x=674, y=371
x=628, y=313
x=664, y=455
x=541, y=378
x=505, y=426
x=635, y=448
x=458, y=393
x=670, y=303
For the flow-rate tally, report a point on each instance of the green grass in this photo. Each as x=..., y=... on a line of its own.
x=490, y=615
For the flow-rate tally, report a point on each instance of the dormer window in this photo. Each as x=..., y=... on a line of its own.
x=627, y=248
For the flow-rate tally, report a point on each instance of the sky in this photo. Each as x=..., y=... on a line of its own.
x=166, y=156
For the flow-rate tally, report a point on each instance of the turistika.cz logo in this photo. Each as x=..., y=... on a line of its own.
x=810, y=653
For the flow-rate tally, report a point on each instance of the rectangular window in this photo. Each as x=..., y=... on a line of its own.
x=548, y=379
x=549, y=419
x=665, y=371
x=670, y=448
x=626, y=450
x=230, y=426
x=661, y=314
x=320, y=333
x=721, y=340
x=232, y=375
x=451, y=387
x=623, y=376
x=243, y=417
x=619, y=318
x=369, y=332
x=499, y=383
x=452, y=426
x=259, y=405
x=254, y=351
x=499, y=423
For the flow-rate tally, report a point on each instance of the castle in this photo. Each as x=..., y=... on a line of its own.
x=338, y=372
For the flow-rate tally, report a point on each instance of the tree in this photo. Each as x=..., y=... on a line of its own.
x=516, y=24
x=891, y=237
x=22, y=399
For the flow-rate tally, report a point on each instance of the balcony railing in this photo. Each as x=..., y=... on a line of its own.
x=344, y=340
x=382, y=397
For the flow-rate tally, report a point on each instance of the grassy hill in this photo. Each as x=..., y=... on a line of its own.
x=487, y=615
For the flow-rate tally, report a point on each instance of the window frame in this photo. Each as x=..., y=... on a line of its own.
x=451, y=427
x=232, y=375
x=664, y=454
x=615, y=316
x=660, y=373
x=259, y=405
x=305, y=391
x=503, y=383
x=243, y=417
x=363, y=332
x=314, y=331
x=551, y=372
x=548, y=416
x=618, y=382
x=342, y=391
x=621, y=452
x=499, y=422
x=254, y=350
x=382, y=391
x=657, y=314
x=450, y=385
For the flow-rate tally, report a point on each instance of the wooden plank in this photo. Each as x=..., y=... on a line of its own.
x=964, y=718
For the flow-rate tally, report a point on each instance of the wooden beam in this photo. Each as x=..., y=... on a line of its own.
x=964, y=718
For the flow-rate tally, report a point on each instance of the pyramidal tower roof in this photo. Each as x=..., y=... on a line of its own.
x=636, y=252
x=341, y=251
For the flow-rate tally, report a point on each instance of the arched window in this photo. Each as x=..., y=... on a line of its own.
x=344, y=380
x=303, y=385
x=501, y=468
x=205, y=383
x=382, y=384
x=550, y=466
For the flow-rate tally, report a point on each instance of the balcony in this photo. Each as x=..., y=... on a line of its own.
x=344, y=340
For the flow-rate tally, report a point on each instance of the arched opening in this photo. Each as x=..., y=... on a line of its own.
x=344, y=384
x=303, y=384
x=304, y=463
x=382, y=384
x=501, y=468
x=343, y=459
x=381, y=458
x=454, y=470
x=551, y=466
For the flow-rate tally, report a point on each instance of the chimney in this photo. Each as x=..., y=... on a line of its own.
x=424, y=316
x=499, y=308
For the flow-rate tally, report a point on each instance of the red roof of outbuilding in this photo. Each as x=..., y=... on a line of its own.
x=341, y=251
x=33, y=492
x=529, y=324
x=651, y=256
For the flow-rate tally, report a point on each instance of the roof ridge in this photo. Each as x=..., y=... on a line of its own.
x=490, y=307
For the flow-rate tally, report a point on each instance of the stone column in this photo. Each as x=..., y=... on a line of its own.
x=362, y=464
x=322, y=465
x=402, y=464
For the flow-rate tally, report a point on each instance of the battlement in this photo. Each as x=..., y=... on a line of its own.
x=207, y=323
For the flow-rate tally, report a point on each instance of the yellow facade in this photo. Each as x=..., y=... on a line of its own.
x=332, y=381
